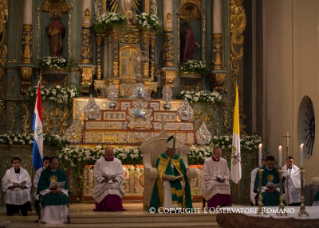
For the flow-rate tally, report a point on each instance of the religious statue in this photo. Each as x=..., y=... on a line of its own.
x=55, y=31
x=187, y=41
x=125, y=6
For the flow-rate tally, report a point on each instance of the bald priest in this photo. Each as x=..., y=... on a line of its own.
x=171, y=189
x=108, y=175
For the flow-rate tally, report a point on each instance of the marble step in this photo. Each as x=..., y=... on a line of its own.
x=123, y=225
x=115, y=218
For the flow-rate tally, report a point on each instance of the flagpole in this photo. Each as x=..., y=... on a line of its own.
x=40, y=77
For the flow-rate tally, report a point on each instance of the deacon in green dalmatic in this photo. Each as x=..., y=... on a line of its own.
x=171, y=189
x=270, y=185
x=54, y=201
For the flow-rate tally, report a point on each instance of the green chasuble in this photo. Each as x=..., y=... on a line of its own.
x=180, y=196
x=316, y=197
x=44, y=182
x=269, y=199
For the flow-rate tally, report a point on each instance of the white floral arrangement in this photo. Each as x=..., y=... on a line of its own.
x=146, y=21
x=60, y=95
x=53, y=62
x=194, y=66
x=27, y=139
x=109, y=19
x=73, y=155
x=246, y=142
x=201, y=96
x=198, y=154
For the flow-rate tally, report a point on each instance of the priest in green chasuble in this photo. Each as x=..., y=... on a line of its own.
x=54, y=202
x=171, y=189
x=270, y=185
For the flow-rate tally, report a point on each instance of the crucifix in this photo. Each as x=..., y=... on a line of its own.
x=287, y=136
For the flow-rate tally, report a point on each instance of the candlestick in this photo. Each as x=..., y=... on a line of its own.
x=260, y=197
x=302, y=198
x=281, y=210
x=301, y=155
x=260, y=146
x=280, y=157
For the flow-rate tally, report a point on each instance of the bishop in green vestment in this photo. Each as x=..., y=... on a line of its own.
x=54, y=202
x=169, y=193
x=270, y=175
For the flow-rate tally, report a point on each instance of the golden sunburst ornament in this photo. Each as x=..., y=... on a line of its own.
x=54, y=6
x=115, y=5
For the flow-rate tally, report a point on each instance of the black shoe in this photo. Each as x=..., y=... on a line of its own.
x=25, y=214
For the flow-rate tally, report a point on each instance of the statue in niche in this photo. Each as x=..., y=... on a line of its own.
x=188, y=41
x=125, y=6
x=55, y=31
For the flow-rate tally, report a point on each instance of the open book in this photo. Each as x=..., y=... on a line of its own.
x=271, y=185
x=110, y=177
x=19, y=184
x=172, y=178
x=56, y=185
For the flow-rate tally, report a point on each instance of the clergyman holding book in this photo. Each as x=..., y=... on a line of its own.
x=171, y=189
x=16, y=184
x=108, y=176
x=215, y=183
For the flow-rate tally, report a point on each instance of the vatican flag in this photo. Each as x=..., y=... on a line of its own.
x=235, y=158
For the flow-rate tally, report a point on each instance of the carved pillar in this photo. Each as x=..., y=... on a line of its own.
x=86, y=78
x=86, y=36
x=145, y=53
x=115, y=37
x=168, y=39
x=27, y=32
x=152, y=55
x=168, y=77
x=217, y=35
x=26, y=75
x=99, y=42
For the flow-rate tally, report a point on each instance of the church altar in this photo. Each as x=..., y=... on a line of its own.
x=249, y=220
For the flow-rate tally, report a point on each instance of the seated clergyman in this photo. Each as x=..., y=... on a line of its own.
x=171, y=189
x=54, y=193
x=270, y=187
x=108, y=175
x=16, y=184
x=215, y=183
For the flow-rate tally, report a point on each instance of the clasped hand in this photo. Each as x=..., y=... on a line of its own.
x=107, y=180
x=56, y=192
x=271, y=190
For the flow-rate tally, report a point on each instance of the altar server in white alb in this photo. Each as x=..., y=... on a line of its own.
x=253, y=195
x=16, y=184
x=215, y=183
x=294, y=182
x=108, y=175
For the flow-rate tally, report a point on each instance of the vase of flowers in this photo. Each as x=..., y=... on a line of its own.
x=109, y=19
x=148, y=21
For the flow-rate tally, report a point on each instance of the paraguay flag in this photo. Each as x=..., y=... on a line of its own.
x=236, y=158
x=38, y=133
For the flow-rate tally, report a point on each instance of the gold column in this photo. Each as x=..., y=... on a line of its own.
x=99, y=42
x=147, y=6
x=217, y=35
x=152, y=55
x=27, y=43
x=103, y=7
x=26, y=75
x=87, y=73
x=217, y=51
x=145, y=53
x=115, y=36
x=86, y=38
x=168, y=77
x=168, y=39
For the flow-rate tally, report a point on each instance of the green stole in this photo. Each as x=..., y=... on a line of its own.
x=180, y=196
x=316, y=197
x=44, y=182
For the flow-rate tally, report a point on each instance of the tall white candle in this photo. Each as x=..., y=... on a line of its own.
x=280, y=157
x=260, y=148
x=301, y=155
